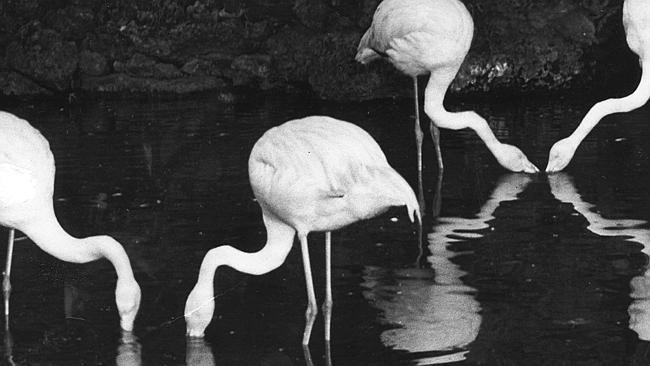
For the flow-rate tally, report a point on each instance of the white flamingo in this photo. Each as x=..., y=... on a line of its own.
x=26, y=189
x=311, y=174
x=636, y=20
x=422, y=37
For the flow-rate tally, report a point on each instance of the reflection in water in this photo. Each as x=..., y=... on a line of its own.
x=129, y=350
x=8, y=344
x=199, y=353
x=436, y=311
x=153, y=173
x=308, y=359
x=639, y=309
x=563, y=189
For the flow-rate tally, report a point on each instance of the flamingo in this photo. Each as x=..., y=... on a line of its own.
x=636, y=21
x=433, y=37
x=310, y=174
x=26, y=189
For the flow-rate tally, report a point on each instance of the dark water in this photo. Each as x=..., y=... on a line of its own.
x=518, y=270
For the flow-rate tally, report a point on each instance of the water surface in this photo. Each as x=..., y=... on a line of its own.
x=517, y=270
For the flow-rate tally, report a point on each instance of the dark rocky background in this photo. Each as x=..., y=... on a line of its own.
x=151, y=47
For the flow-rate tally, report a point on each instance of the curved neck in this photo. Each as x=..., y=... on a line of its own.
x=278, y=244
x=615, y=105
x=434, y=108
x=47, y=233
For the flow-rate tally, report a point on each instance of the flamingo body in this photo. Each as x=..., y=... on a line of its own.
x=26, y=170
x=311, y=174
x=321, y=174
x=418, y=36
x=26, y=189
x=433, y=37
x=636, y=21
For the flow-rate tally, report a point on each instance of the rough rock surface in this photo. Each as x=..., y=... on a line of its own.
x=169, y=46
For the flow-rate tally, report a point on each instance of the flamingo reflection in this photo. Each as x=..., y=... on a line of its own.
x=308, y=358
x=436, y=313
x=563, y=188
x=199, y=353
x=129, y=350
x=8, y=346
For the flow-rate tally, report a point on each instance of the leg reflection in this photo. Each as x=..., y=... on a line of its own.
x=307, y=354
x=129, y=350
x=199, y=353
x=563, y=188
x=8, y=343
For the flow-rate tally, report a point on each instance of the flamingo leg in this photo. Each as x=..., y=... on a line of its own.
x=307, y=354
x=327, y=305
x=6, y=284
x=437, y=199
x=328, y=354
x=435, y=136
x=312, y=308
x=418, y=141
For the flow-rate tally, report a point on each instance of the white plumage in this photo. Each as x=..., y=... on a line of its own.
x=311, y=174
x=26, y=188
x=433, y=37
x=636, y=20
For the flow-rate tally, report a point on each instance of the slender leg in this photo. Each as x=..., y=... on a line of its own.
x=437, y=199
x=6, y=284
x=420, y=255
x=312, y=308
x=328, y=354
x=435, y=136
x=307, y=354
x=327, y=305
x=8, y=341
x=418, y=141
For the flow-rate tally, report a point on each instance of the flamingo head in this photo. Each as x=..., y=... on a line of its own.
x=199, y=309
x=561, y=154
x=127, y=298
x=513, y=159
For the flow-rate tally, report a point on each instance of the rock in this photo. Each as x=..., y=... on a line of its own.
x=334, y=74
x=252, y=69
x=543, y=45
x=166, y=71
x=140, y=65
x=326, y=63
x=73, y=22
x=319, y=15
x=115, y=83
x=92, y=63
x=313, y=14
x=193, y=67
x=290, y=52
x=258, y=31
x=367, y=11
x=111, y=46
x=14, y=84
x=44, y=56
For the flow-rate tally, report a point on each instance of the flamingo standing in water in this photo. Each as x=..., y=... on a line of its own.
x=26, y=189
x=636, y=20
x=432, y=37
x=311, y=174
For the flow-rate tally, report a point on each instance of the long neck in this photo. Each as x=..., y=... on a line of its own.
x=615, y=105
x=48, y=234
x=278, y=244
x=434, y=108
